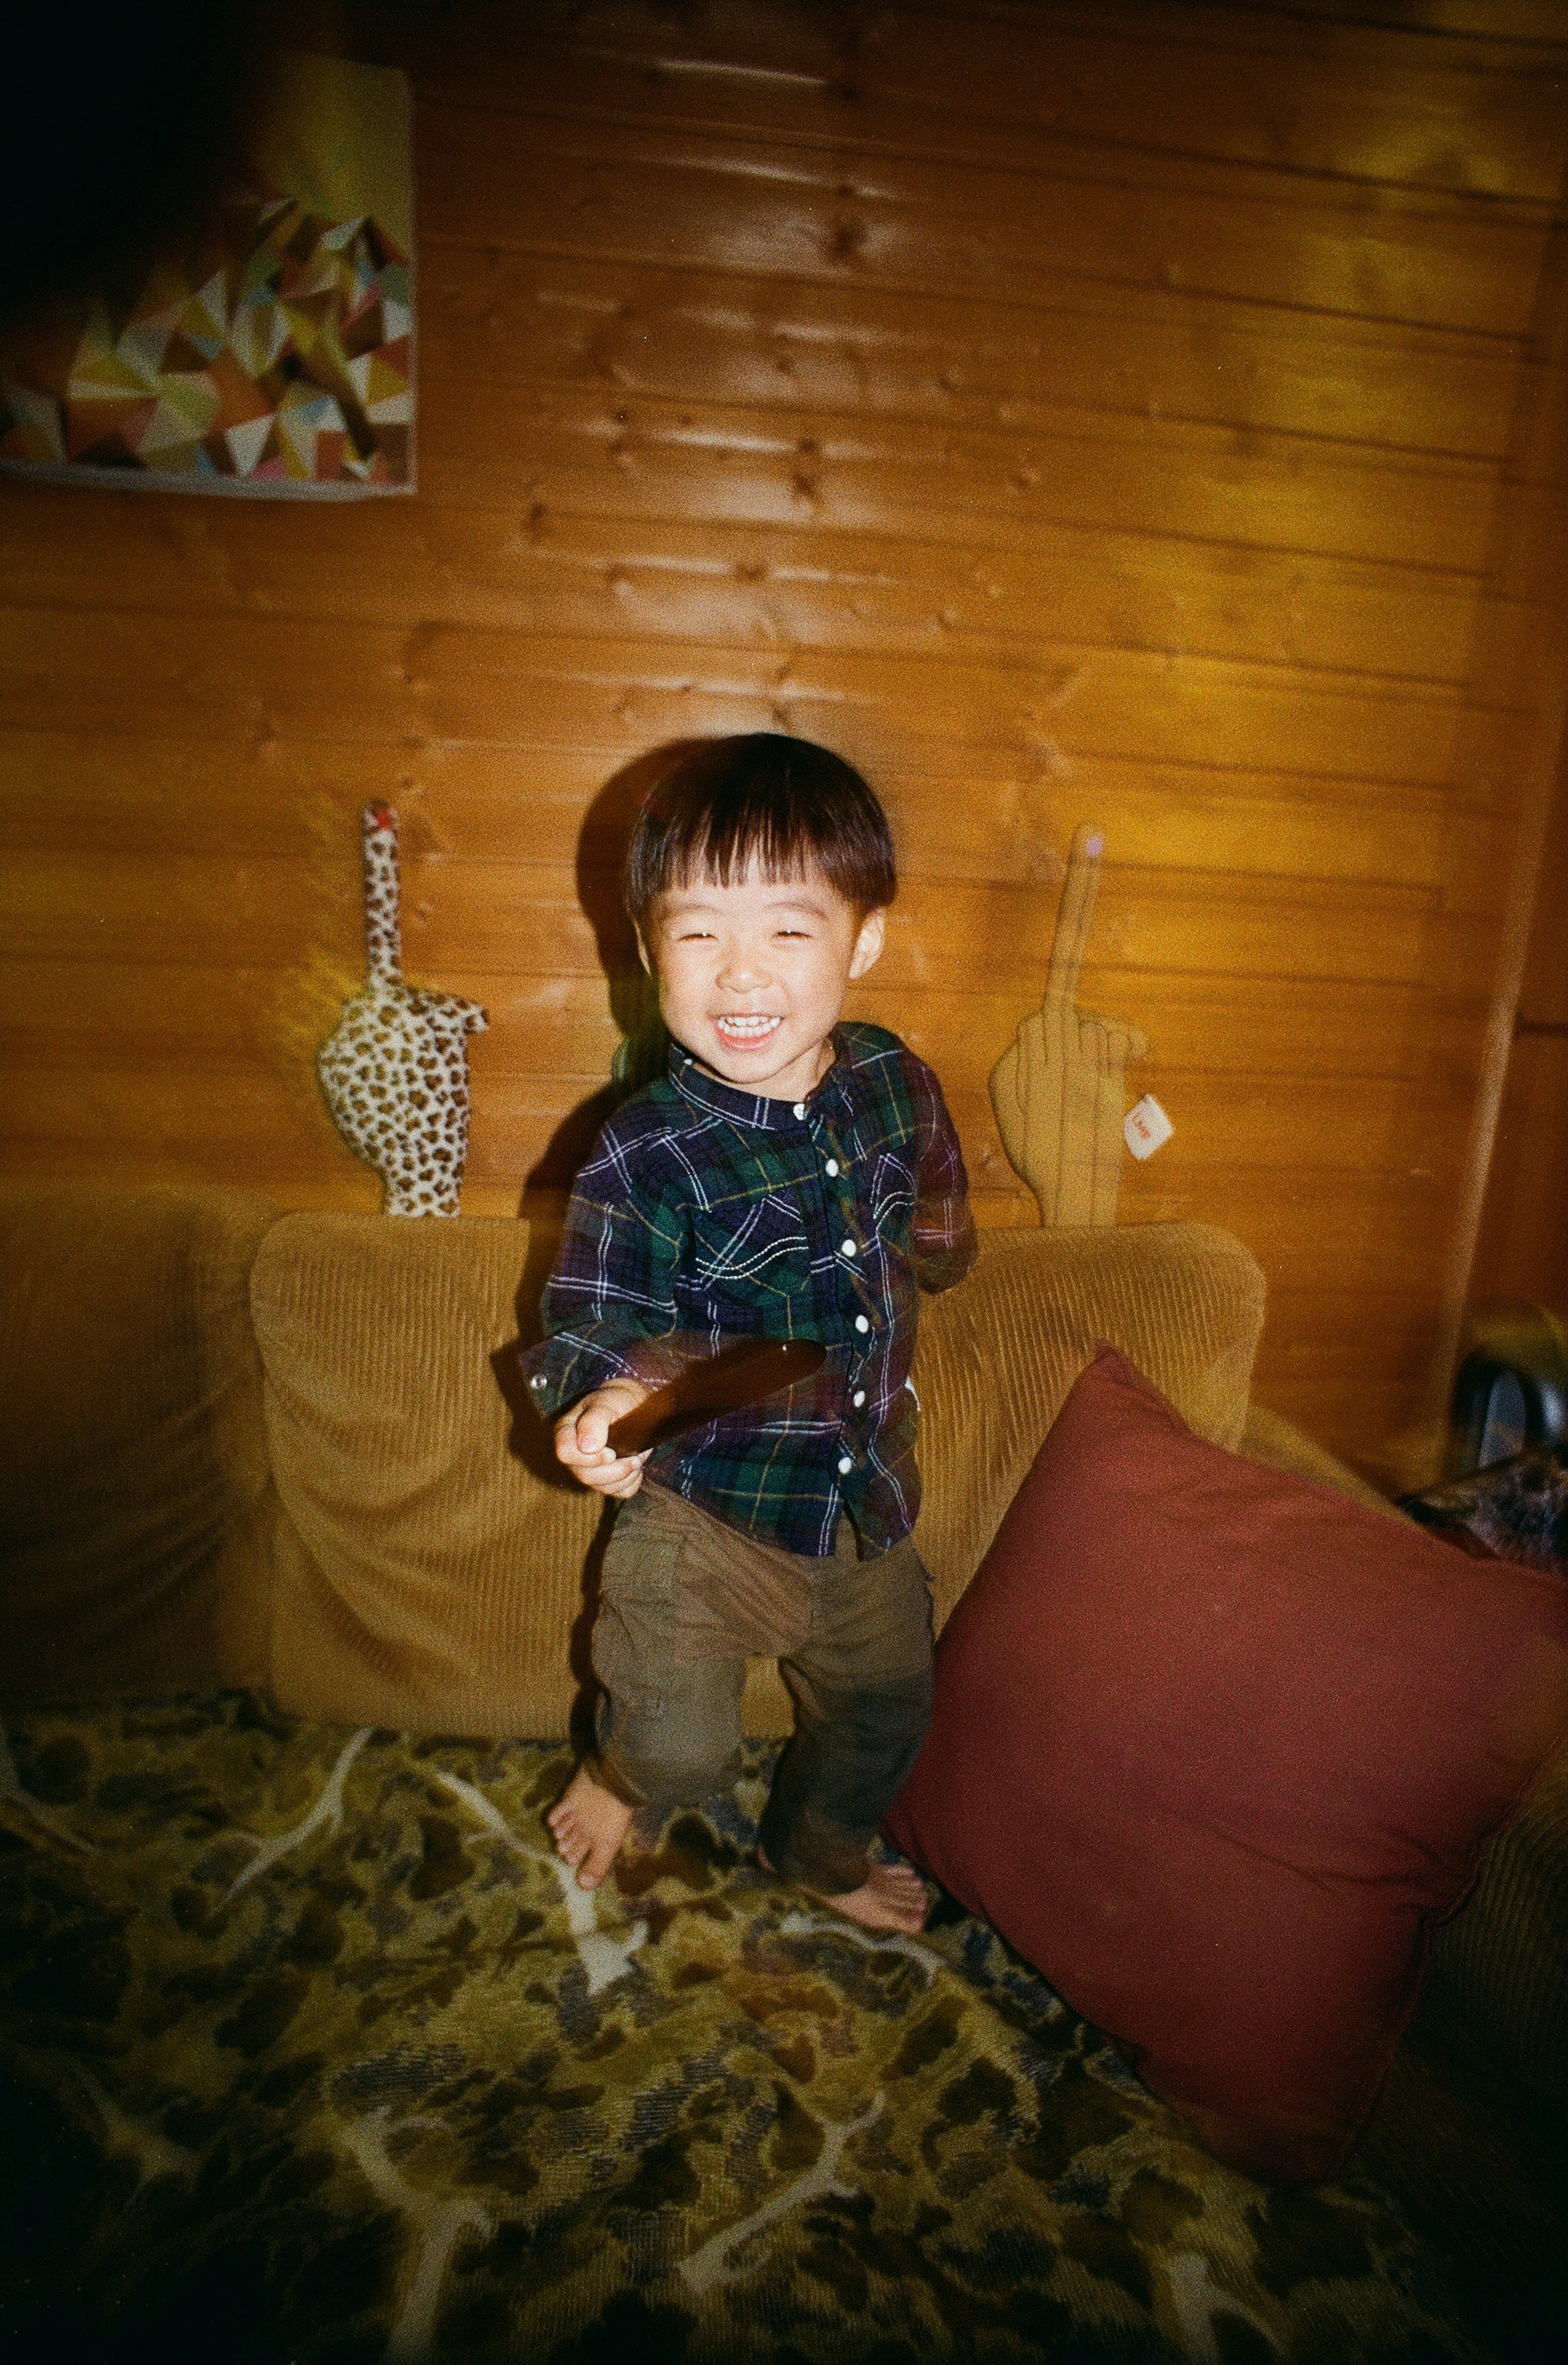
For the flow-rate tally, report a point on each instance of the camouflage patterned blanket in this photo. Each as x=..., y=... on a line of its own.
x=311, y=2051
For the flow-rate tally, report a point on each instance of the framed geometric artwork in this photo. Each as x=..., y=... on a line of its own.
x=274, y=355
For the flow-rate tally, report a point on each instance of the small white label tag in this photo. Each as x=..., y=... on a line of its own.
x=1146, y=1127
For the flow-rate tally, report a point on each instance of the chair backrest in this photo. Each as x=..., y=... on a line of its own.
x=287, y=1450
x=135, y=1495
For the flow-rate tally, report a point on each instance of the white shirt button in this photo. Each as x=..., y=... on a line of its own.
x=538, y=1380
x=846, y=1248
x=846, y=1466
x=800, y=1108
x=858, y=1397
x=861, y=1323
x=833, y=1165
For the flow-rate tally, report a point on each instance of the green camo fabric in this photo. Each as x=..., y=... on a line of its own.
x=311, y=2052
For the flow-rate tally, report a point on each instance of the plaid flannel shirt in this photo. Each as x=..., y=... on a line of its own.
x=705, y=1214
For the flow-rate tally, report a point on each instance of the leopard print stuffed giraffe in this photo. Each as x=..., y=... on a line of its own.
x=395, y=1070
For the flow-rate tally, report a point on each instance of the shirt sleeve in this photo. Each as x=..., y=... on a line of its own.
x=944, y=1241
x=609, y=1306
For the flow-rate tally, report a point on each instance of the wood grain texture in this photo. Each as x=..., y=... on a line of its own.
x=1522, y=1243
x=1522, y=1251
x=1125, y=414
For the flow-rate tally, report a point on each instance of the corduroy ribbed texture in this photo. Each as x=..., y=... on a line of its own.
x=998, y=1356
x=429, y=1578
x=1504, y=1961
x=1279, y=1445
x=1451, y=2133
x=134, y=1492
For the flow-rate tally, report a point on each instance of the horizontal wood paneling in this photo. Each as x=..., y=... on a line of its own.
x=608, y=454
x=1250, y=86
x=527, y=918
x=1522, y=1243
x=1075, y=345
x=1070, y=414
x=133, y=1015
x=893, y=714
x=1522, y=1251
x=944, y=228
x=749, y=586
x=1544, y=997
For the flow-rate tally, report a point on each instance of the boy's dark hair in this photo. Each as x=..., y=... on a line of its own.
x=781, y=800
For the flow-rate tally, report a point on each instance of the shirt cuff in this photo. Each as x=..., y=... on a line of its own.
x=561, y=1371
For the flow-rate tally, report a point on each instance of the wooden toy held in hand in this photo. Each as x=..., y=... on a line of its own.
x=1058, y=1089
x=745, y=1372
x=395, y=1070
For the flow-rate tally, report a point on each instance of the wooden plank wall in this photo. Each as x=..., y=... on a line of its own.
x=1115, y=413
x=1522, y=1248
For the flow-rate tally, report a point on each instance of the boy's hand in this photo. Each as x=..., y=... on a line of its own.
x=580, y=1435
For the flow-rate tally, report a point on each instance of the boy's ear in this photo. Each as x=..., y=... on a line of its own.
x=642, y=953
x=868, y=942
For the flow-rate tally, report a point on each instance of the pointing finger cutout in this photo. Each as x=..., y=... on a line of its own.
x=1074, y=913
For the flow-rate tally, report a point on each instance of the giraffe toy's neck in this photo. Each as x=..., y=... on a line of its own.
x=395, y=1069
x=383, y=932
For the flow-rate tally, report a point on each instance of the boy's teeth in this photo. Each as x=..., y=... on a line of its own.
x=747, y=1025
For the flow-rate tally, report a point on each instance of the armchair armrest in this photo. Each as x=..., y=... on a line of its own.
x=1270, y=1439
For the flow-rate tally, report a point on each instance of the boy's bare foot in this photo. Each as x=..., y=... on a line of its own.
x=588, y=1826
x=892, y=1896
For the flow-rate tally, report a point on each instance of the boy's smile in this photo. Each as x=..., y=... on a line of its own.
x=752, y=976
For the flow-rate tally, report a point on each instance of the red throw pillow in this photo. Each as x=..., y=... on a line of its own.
x=1213, y=1747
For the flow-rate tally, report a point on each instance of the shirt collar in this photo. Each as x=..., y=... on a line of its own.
x=707, y=1091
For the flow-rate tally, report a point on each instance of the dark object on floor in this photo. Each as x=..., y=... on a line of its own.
x=1516, y=1510
x=1510, y=1393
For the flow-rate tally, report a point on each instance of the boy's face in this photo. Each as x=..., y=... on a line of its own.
x=752, y=976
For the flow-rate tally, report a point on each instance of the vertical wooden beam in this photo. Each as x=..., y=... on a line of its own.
x=1521, y=663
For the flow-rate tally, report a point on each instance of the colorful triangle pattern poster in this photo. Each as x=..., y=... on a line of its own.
x=275, y=355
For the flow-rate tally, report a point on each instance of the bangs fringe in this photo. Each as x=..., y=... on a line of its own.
x=783, y=804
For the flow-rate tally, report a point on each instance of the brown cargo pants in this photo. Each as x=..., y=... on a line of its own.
x=685, y=1600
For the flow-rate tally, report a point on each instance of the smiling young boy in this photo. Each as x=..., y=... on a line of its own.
x=793, y=1177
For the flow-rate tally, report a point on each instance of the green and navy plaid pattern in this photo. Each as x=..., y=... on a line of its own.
x=704, y=1215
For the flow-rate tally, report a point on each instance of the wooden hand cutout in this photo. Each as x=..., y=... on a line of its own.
x=1058, y=1089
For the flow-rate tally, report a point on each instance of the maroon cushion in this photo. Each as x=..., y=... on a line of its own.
x=1213, y=1747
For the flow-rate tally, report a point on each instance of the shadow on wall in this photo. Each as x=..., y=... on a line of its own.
x=633, y=1003
x=601, y=865
x=117, y=129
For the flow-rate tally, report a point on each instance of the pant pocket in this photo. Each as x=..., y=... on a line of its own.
x=871, y=1622
x=668, y=1722
x=634, y=1647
